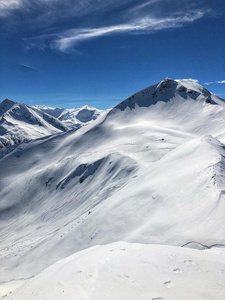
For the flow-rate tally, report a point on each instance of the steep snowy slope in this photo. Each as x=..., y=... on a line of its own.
x=129, y=271
x=19, y=123
x=150, y=171
x=73, y=117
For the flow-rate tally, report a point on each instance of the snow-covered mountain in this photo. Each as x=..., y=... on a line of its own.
x=73, y=117
x=149, y=171
x=20, y=123
x=52, y=111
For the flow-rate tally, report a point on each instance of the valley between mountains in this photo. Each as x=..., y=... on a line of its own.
x=127, y=203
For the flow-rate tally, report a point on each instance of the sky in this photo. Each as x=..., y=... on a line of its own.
x=70, y=53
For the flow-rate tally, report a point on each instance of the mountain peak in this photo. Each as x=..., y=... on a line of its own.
x=5, y=105
x=166, y=84
x=8, y=101
x=167, y=80
x=162, y=91
x=169, y=89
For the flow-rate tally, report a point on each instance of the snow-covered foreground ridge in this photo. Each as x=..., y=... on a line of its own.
x=129, y=271
x=150, y=171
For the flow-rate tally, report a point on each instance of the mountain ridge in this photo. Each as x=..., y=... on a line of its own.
x=157, y=92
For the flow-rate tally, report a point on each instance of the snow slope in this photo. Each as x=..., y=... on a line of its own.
x=73, y=117
x=151, y=170
x=129, y=271
x=20, y=123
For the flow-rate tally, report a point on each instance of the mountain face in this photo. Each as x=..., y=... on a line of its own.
x=149, y=171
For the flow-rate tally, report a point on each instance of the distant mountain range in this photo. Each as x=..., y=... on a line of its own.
x=21, y=123
x=73, y=117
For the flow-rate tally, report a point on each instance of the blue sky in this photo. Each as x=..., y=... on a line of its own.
x=97, y=52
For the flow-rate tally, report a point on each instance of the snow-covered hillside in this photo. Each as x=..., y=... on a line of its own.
x=20, y=123
x=150, y=171
x=73, y=117
x=129, y=271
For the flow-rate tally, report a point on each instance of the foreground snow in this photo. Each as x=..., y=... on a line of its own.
x=131, y=272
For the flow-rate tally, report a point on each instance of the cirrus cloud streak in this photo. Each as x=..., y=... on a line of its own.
x=71, y=38
x=213, y=82
x=63, y=25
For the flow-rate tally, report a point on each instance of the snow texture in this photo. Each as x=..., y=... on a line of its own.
x=129, y=271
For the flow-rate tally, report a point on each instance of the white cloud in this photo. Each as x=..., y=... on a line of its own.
x=125, y=17
x=46, y=9
x=71, y=38
x=213, y=82
x=143, y=5
x=222, y=81
x=194, y=80
x=8, y=5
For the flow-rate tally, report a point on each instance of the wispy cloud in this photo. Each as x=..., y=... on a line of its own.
x=22, y=66
x=80, y=19
x=194, y=80
x=49, y=9
x=7, y=6
x=214, y=82
x=71, y=38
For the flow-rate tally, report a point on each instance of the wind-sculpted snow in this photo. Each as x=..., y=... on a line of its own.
x=82, y=172
x=151, y=174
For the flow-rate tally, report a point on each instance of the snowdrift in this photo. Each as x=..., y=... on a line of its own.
x=129, y=271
